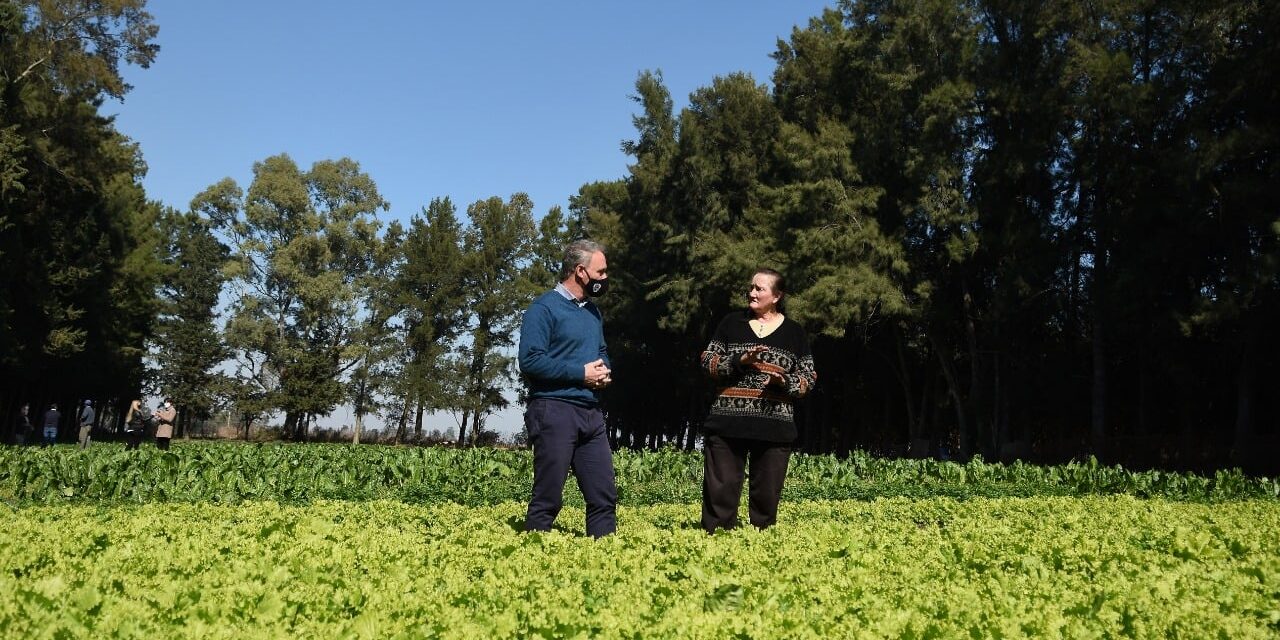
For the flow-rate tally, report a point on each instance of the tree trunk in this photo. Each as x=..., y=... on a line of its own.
x=999, y=424
x=845, y=411
x=691, y=425
x=417, y=421
x=1098, y=424
x=979, y=404
x=953, y=391
x=477, y=427
x=462, y=429
x=904, y=380
x=291, y=425
x=1141, y=425
x=355, y=437
x=827, y=435
x=928, y=425
x=403, y=421
x=1245, y=376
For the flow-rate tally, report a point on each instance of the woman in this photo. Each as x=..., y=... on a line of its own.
x=165, y=416
x=135, y=424
x=762, y=362
x=22, y=426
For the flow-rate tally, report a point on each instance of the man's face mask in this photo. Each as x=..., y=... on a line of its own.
x=595, y=287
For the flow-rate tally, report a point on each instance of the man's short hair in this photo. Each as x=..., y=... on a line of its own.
x=576, y=253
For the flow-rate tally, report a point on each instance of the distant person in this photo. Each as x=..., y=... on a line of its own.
x=51, y=419
x=86, y=423
x=762, y=364
x=565, y=365
x=165, y=416
x=22, y=425
x=135, y=424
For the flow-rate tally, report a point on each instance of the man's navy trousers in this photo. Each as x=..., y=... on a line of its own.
x=567, y=436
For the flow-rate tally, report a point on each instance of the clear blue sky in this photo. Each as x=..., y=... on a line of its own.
x=464, y=99
x=461, y=99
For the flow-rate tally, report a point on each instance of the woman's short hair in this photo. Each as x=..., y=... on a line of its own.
x=779, y=283
x=576, y=253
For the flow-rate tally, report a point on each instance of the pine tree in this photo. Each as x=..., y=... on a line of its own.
x=78, y=247
x=497, y=254
x=430, y=292
x=187, y=344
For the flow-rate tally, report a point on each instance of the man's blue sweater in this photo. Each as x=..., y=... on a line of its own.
x=557, y=339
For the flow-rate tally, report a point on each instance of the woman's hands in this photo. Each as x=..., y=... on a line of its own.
x=751, y=360
x=751, y=357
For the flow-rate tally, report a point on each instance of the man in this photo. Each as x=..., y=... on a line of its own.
x=51, y=419
x=86, y=423
x=565, y=365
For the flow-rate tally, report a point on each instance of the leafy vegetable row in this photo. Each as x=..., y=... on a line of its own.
x=223, y=472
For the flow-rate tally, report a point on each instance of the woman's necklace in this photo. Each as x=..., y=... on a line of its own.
x=763, y=327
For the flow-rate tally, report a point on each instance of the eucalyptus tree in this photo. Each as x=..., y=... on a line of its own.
x=305, y=244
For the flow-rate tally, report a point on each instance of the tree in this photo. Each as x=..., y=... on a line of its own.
x=243, y=397
x=497, y=254
x=430, y=291
x=554, y=234
x=375, y=345
x=1238, y=144
x=188, y=345
x=77, y=46
x=304, y=246
x=78, y=247
x=635, y=219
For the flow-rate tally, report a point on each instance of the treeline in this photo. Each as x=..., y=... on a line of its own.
x=328, y=308
x=1031, y=229
x=1015, y=229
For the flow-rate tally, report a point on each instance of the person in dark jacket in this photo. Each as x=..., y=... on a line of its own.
x=761, y=362
x=135, y=424
x=51, y=419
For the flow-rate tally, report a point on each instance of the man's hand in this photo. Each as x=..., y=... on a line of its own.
x=596, y=375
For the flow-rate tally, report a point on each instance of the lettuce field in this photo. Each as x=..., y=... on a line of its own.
x=322, y=541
